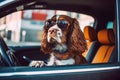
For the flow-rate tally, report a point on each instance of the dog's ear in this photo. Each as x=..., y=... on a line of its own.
x=77, y=39
x=45, y=46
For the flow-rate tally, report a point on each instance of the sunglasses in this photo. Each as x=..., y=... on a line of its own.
x=60, y=23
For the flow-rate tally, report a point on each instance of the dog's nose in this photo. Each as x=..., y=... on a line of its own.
x=53, y=30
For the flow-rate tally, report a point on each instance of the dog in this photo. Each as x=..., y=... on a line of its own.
x=65, y=42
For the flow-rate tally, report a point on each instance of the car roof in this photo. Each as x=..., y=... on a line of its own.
x=96, y=8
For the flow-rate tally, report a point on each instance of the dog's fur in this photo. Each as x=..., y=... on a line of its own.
x=65, y=45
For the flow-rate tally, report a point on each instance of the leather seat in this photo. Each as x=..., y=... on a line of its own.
x=107, y=39
x=92, y=43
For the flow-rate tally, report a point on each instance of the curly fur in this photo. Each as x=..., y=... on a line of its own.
x=73, y=38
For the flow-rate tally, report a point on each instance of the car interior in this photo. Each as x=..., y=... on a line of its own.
x=100, y=38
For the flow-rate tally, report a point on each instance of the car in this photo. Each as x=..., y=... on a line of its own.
x=21, y=28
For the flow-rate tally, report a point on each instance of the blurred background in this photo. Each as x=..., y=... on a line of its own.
x=27, y=26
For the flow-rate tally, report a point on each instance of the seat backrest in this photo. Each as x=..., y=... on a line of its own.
x=107, y=39
x=91, y=38
x=114, y=55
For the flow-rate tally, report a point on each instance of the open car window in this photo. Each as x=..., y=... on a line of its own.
x=26, y=27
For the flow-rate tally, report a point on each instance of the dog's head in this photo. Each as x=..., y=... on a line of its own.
x=61, y=34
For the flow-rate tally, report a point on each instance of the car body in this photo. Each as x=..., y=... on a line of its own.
x=103, y=11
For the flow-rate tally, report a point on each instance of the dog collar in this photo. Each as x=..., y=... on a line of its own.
x=62, y=56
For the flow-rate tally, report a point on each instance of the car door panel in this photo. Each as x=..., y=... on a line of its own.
x=78, y=72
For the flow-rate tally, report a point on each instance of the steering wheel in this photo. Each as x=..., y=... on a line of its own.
x=7, y=55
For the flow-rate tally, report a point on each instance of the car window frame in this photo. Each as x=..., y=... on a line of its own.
x=117, y=39
x=118, y=28
x=11, y=72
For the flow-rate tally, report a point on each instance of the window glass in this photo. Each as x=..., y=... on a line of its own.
x=25, y=27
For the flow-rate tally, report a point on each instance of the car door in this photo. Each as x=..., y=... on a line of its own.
x=81, y=72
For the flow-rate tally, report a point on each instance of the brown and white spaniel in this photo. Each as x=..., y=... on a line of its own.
x=63, y=40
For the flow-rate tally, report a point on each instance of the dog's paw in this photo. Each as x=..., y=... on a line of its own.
x=37, y=63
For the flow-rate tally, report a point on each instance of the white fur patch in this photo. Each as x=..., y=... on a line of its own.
x=53, y=61
x=60, y=48
x=37, y=63
x=58, y=34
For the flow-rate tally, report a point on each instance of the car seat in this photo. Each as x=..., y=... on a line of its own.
x=107, y=39
x=92, y=43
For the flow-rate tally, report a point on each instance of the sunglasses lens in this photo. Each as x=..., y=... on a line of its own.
x=49, y=23
x=62, y=23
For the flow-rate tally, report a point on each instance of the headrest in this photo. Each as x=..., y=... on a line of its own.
x=106, y=36
x=90, y=33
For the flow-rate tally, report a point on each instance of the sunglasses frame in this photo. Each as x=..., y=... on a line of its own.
x=60, y=23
